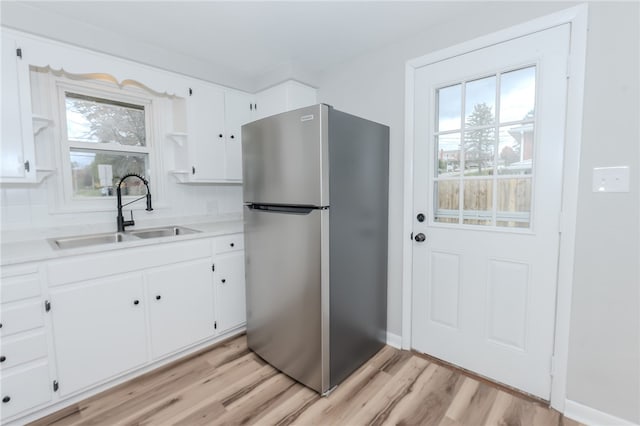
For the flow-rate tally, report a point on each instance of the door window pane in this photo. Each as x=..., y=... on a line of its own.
x=517, y=95
x=93, y=173
x=447, y=201
x=514, y=203
x=515, y=149
x=449, y=108
x=97, y=120
x=448, y=154
x=478, y=202
x=480, y=103
x=479, y=152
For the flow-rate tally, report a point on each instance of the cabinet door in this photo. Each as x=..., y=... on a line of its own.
x=180, y=305
x=24, y=389
x=99, y=330
x=271, y=101
x=206, y=133
x=237, y=113
x=230, y=289
x=17, y=144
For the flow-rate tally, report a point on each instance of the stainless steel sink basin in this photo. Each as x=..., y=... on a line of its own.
x=166, y=231
x=89, y=240
x=118, y=237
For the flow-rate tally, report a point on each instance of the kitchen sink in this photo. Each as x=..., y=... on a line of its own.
x=89, y=240
x=118, y=237
x=167, y=231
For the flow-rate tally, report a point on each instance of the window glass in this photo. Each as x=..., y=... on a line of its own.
x=480, y=160
x=447, y=201
x=449, y=108
x=94, y=173
x=98, y=120
x=480, y=102
x=448, y=154
x=517, y=95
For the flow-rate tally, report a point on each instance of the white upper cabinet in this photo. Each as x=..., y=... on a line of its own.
x=283, y=97
x=214, y=135
x=206, y=136
x=237, y=113
x=17, y=144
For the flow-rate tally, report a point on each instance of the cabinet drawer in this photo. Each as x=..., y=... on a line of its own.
x=21, y=349
x=23, y=317
x=230, y=243
x=25, y=389
x=20, y=287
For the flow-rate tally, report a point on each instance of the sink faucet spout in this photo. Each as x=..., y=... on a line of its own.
x=122, y=224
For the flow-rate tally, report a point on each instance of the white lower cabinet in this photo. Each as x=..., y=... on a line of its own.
x=25, y=388
x=181, y=305
x=25, y=377
x=230, y=290
x=99, y=330
x=112, y=315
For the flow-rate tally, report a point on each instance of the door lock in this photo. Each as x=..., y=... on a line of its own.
x=420, y=217
x=420, y=237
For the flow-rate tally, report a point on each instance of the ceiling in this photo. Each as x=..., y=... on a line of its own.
x=247, y=45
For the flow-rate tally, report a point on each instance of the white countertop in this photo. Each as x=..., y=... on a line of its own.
x=40, y=249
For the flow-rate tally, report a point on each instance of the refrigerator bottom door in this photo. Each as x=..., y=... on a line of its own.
x=285, y=275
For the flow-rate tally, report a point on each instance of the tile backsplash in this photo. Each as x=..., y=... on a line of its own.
x=24, y=206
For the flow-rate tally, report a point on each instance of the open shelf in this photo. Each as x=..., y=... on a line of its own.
x=179, y=138
x=40, y=123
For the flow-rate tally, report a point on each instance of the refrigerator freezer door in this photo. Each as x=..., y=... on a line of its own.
x=285, y=274
x=285, y=158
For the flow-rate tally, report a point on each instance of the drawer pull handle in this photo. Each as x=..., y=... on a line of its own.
x=6, y=399
x=3, y=358
x=232, y=245
x=135, y=302
x=0, y=325
x=158, y=297
x=223, y=281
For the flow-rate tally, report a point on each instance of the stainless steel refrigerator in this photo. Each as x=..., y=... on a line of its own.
x=315, y=192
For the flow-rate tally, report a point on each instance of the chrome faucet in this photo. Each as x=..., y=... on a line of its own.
x=124, y=223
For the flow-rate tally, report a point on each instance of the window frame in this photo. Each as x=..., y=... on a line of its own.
x=65, y=200
x=495, y=177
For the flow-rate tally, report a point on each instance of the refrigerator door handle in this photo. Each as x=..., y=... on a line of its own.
x=302, y=210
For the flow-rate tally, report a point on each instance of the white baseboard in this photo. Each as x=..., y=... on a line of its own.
x=592, y=417
x=394, y=340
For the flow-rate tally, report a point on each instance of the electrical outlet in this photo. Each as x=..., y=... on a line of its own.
x=611, y=179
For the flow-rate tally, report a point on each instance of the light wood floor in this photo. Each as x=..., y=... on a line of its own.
x=228, y=384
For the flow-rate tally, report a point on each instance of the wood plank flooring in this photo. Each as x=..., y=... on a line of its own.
x=230, y=385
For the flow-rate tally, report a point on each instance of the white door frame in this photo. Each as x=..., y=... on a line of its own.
x=577, y=17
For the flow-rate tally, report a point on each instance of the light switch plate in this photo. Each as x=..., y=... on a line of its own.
x=611, y=179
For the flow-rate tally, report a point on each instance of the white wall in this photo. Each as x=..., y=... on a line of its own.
x=373, y=86
x=604, y=356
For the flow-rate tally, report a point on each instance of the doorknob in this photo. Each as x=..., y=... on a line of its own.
x=420, y=217
x=420, y=237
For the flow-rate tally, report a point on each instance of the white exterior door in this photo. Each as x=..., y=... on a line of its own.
x=489, y=131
